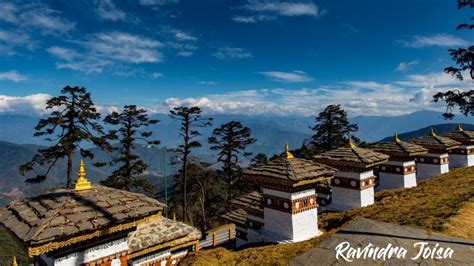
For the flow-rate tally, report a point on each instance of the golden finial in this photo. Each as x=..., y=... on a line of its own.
x=350, y=144
x=174, y=216
x=459, y=128
x=395, y=137
x=287, y=152
x=14, y=263
x=432, y=132
x=81, y=182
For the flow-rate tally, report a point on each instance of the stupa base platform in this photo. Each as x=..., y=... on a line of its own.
x=461, y=160
x=395, y=181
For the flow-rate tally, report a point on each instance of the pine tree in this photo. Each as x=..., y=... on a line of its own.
x=131, y=121
x=464, y=59
x=72, y=122
x=332, y=129
x=259, y=159
x=231, y=139
x=190, y=119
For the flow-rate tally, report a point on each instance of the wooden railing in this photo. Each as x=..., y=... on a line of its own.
x=218, y=236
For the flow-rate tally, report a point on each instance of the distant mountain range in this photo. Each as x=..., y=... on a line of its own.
x=439, y=130
x=271, y=132
x=13, y=155
x=16, y=136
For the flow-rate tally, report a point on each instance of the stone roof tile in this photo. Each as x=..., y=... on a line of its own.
x=65, y=213
x=290, y=170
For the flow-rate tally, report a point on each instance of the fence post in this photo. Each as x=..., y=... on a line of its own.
x=214, y=239
x=231, y=236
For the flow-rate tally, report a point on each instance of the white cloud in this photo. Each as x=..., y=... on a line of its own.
x=35, y=103
x=207, y=82
x=283, y=8
x=24, y=21
x=107, y=49
x=12, y=75
x=125, y=47
x=107, y=10
x=185, y=53
x=292, y=77
x=157, y=2
x=183, y=36
x=252, y=19
x=231, y=53
x=442, y=40
x=357, y=98
x=406, y=65
x=8, y=12
x=46, y=20
x=157, y=75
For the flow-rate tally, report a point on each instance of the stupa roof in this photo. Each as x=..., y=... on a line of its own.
x=289, y=170
x=66, y=214
x=397, y=147
x=238, y=217
x=251, y=202
x=461, y=135
x=161, y=231
x=433, y=142
x=352, y=156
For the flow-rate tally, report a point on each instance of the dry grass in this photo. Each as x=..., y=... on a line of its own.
x=462, y=224
x=443, y=204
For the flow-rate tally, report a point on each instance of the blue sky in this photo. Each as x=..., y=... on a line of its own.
x=249, y=57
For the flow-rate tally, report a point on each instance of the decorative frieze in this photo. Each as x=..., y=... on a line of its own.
x=432, y=160
x=463, y=151
x=290, y=206
x=353, y=183
x=398, y=169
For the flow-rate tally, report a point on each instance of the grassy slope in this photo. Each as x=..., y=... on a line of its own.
x=442, y=204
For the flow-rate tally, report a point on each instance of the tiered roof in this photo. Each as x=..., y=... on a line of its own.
x=251, y=203
x=288, y=170
x=352, y=156
x=75, y=216
x=160, y=232
x=435, y=143
x=238, y=217
x=399, y=148
x=461, y=135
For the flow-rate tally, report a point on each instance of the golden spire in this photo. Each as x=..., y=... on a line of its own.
x=287, y=152
x=432, y=132
x=81, y=182
x=395, y=138
x=350, y=144
x=14, y=263
x=459, y=128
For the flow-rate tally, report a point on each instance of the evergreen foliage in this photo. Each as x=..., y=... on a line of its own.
x=72, y=122
x=332, y=129
x=131, y=122
x=191, y=119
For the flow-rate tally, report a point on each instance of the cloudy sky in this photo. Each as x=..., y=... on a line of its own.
x=247, y=57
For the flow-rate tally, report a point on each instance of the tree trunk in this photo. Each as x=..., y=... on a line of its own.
x=185, y=194
x=69, y=170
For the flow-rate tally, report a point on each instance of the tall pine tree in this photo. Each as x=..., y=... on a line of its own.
x=73, y=121
x=332, y=129
x=190, y=119
x=464, y=59
x=132, y=122
x=231, y=139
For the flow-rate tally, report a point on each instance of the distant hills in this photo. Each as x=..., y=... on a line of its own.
x=439, y=130
x=16, y=136
x=13, y=155
x=271, y=131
